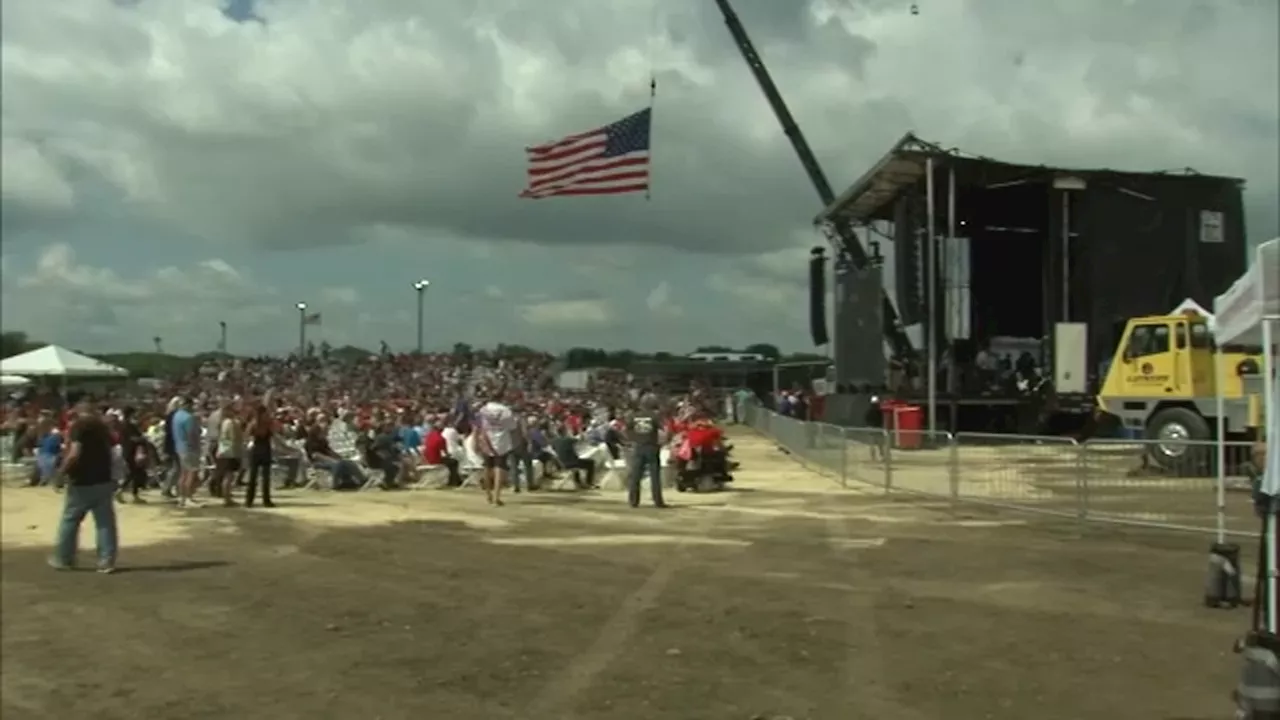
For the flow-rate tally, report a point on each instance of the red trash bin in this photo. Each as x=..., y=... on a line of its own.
x=908, y=427
x=889, y=416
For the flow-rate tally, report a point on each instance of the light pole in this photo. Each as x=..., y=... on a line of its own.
x=302, y=329
x=421, y=287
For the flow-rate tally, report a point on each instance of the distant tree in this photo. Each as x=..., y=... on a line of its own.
x=663, y=356
x=766, y=349
x=461, y=349
x=15, y=343
x=714, y=349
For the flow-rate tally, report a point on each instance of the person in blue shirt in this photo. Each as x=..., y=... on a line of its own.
x=48, y=451
x=409, y=437
x=186, y=442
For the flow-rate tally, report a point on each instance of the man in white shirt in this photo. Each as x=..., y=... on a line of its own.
x=496, y=425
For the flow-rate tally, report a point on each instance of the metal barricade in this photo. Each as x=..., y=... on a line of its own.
x=920, y=462
x=1153, y=483
x=865, y=458
x=1027, y=472
x=1171, y=484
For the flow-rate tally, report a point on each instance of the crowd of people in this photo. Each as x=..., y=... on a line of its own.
x=223, y=431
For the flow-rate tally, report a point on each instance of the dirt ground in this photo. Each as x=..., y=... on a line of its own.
x=784, y=598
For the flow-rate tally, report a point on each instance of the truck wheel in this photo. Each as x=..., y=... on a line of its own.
x=1171, y=429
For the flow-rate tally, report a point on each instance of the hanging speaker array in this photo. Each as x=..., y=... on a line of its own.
x=818, y=297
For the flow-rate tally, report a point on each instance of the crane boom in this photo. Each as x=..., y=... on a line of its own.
x=849, y=248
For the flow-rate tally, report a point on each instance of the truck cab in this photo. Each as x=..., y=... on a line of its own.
x=1163, y=381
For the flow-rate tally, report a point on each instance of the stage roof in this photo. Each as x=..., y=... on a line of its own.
x=870, y=196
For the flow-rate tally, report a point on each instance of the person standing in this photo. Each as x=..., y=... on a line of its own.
x=497, y=424
x=647, y=439
x=261, y=433
x=229, y=453
x=134, y=452
x=90, y=490
x=173, y=468
x=186, y=443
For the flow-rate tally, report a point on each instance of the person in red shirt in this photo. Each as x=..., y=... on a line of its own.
x=435, y=451
x=704, y=436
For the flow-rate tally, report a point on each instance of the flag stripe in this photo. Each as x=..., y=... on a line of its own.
x=539, y=178
x=610, y=160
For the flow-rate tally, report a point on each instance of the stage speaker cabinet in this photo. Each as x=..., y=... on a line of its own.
x=1257, y=695
x=1071, y=357
x=1222, y=584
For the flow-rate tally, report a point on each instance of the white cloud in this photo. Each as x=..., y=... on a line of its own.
x=400, y=125
x=59, y=295
x=28, y=178
x=559, y=313
x=660, y=302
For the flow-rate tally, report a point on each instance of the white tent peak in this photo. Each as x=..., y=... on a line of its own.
x=1255, y=297
x=56, y=361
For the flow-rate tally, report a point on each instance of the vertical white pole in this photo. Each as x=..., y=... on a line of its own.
x=1222, y=446
x=1268, y=388
x=931, y=297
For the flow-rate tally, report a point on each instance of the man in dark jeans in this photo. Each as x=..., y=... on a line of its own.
x=566, y=451
x=647, y=439
x=87, y=465
x=383, y=453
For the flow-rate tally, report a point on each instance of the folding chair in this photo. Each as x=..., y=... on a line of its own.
x=614, y=471
x=429, y=476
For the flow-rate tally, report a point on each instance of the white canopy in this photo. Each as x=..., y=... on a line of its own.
x=55, y=361
x=13, y=381
x=1239, y=312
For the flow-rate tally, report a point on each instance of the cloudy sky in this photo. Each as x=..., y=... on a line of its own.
x=171, y=163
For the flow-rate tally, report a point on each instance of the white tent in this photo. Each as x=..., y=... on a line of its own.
x=13, y=381
x=1248, y=313
x=1190, y=305
x=1240, y=310
x=54, y=361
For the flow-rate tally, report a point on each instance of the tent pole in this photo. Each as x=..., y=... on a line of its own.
x=1268, y=387
x=1222, y=446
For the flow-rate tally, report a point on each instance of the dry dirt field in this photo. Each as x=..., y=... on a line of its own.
x=785, y=598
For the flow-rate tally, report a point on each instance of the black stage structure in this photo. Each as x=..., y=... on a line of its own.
x=1018, y=248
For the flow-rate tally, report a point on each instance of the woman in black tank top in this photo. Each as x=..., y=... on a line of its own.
x=261, y=436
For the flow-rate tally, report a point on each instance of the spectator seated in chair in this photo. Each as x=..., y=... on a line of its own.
x=566, y=452
x=347, y=475
x=436, y=452
x=382, y=452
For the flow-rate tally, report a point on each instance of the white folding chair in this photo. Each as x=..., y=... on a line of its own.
x=431, y=476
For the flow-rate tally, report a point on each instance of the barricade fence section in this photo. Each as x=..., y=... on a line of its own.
x=1168, y=484
x=1147, y=483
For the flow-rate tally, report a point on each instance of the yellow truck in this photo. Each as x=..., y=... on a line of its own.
x=1163, y=381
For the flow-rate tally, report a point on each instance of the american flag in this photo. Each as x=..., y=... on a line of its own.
x=611, y=160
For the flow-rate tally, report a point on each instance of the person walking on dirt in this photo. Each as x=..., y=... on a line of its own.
x=90, y=490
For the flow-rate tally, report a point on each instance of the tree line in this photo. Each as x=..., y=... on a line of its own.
x=162, y=364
